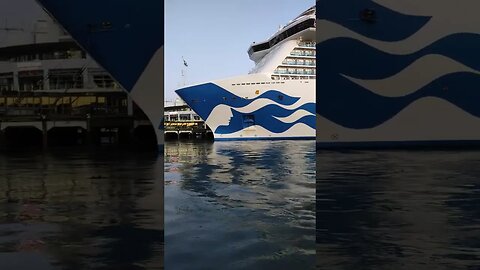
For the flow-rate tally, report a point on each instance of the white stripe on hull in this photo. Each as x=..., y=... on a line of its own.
x=427, y=119
x=299, y=130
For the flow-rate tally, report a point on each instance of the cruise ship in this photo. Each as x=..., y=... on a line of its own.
x=276, y=100
x=398, y=73
x=126, y=39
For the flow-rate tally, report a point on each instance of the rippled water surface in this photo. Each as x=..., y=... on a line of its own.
x=398, y=210
x=77, y=209
x=240, y=205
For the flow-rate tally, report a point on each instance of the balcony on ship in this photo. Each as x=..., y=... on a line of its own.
x=294, y=72
x=306, y=44
x=299, y=62
x=303, y=53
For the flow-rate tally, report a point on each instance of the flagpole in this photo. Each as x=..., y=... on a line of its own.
x=184, y=71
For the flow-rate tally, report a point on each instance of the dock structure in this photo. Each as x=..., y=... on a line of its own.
x=52, y=91
x=47, y=123
x=183, y=123
x=187, y=130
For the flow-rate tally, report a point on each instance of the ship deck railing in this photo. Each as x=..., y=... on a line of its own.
x=298, y=63
x=293, y=73
x=307, y=44
x=302, y=54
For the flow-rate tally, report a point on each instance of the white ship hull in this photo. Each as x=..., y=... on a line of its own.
x=398, y=74
x=255, y=107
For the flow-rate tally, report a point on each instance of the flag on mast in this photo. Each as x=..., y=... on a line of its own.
x=184, y=62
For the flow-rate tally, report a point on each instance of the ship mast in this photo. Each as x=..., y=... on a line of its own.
x=183, y=80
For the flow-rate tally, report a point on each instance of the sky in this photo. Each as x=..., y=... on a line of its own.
x=213, y=36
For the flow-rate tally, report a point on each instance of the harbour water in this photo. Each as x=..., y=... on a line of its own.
x=398, y=210
x=72, y=208
x=240, y=205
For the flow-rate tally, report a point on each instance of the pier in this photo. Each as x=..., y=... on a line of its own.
x=181, y=123
x=83, y=118
x=53, y=93
x=187, y=130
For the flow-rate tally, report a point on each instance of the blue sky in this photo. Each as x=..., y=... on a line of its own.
x=214, y=35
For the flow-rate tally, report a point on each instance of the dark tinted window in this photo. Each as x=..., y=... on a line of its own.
x=285, y=34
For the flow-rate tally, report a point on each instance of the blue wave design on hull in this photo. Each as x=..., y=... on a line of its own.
x=350, y=105
x=121, y=35
x=356, y=59
x=265, y=117
x=389, y=26
x=353, y=106
x=205, y=97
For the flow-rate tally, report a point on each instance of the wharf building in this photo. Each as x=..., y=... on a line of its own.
x=181, y=122
x=52, y=92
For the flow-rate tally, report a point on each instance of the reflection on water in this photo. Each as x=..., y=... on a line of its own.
x=240, y=205
x=398, y=210
x=72, y=209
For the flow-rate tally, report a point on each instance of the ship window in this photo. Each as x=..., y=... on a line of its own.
x=104, y=81
x=65, y=78
x=185, y=117
x=30, y=80
x=6, y=81
x=368, y=15
x=248, y=120
x=286, y=34
x=260, y=47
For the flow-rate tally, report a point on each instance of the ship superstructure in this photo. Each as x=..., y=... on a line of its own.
x=276, y=100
